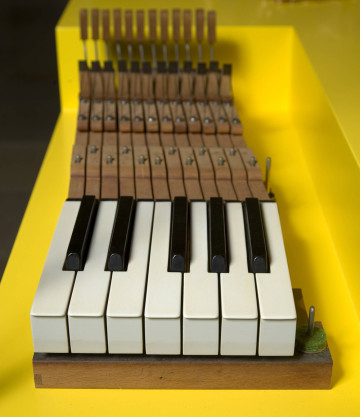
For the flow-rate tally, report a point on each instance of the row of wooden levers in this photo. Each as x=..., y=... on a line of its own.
x=154, y=130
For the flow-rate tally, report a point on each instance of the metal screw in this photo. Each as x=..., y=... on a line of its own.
x=84, y=100
x=208, y=120
x=137, y=119
x=193, y=119
x=125, y=149
x=188, y=160
x=201, y=103
x=124, y=119
x=235, y=121
x=175, y=103
x=141, y=160
x=124, y=101
x=222, y=119
x=109, y=159
x=96, y=117
x=109, y=101
x=157, y=160
x=151, y=119
x=110, y=117
x=232, y=152
x=228, y=104
x=136, y=102
x=188, y=102
x=97, y=100
x=166, y=119
x=77, y=159
x=149, y=101
x=171, y=150
x=202, y=151
x=221, y=161
x=93, y=149
x=252, y=161
x=267, y=172
x=82, y=117
x=179, y=119
x=311, y=321
x=215, y=103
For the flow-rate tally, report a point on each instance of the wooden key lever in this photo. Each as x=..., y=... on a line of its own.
x=81, y=235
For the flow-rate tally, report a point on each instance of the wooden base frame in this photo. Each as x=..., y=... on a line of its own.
x=301, y=371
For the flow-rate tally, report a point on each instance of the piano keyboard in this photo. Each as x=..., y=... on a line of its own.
x=169, y=243
x=147, y=308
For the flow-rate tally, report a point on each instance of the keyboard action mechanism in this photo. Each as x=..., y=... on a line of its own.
x=167, y=267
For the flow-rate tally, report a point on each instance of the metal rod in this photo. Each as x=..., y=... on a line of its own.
x=118, y=50
x=141, y=53
x=130, y=51
x=164, y=48
x=311, y=321
x=187, y=49
x=176, y=50
x=153, y=53
x=267, y=173
x=85, y=50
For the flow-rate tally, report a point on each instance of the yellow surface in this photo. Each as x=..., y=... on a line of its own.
x=289, y=107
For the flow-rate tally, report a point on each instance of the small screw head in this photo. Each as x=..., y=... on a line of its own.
x=151, y=119
x=109, y=159
x=179, y=119
x=96, y=118
x=110, y=117
x=124, y=119
x=232, y=152
x=222, y=119
x=137, y=119
x=201, y=103
x=252, y=161
x=84, y=101
x=93, y=149
x=221, y=161
x=77, y=159
x=81, y=117
x=141, y=159
x=157, y=160
x=193, y=119
x=189, y=160
x=109, y=101
x=166, y=119
x=149, y=101
x=202, y=151
x=175, y=102
x=227, y=104
x=208, y=120
x=124, y=101
x=125, y=149
x=97, y=101
x=188, y=102
x=235, y=121
x=171, y=150
x=136, y=102
x=216, y=103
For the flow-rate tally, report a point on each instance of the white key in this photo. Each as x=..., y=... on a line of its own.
x=48, y=311
x=163, y=296
x=276, y=301
x=239, y=324
x=86, y=313
x=124, y=314
x=201, y=302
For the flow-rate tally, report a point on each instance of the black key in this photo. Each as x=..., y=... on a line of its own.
x=217, y=245
x=119, y=247
x=81, y=235
x=178, y=254
x=258, y=261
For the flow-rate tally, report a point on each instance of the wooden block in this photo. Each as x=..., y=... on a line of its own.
x=95, y=138
x=222, y=174
x=151, y=117
x=224, y=140
x=138, y=139
x=109, y=85
x=192, y=117
x=109, y=172
x=238, y=141
x=258, y=190
x=97, y=84
x=167, y=139
x=191, y=174
x=212, y=89
x=226, y=88
x=110, y=138
x=196, y=140
x=81, y=138
x=142, y=173
x=124, y=139
x=83, y=114
x=253, y=171
x=110, y=124
x=160, y=86
x=220, y=117
x=153, y=139
x=93, y=164
x=85, y=84
x=135, y=85
x=123, y=86
x=181, y=140
x=206, y=173
x=301, y=371
x=165, y=116
x=137, y=116
x=200, y=87
x=174, y=172
x=126, y=171
x=158, y=173
x=178, y=116
x=206, y=117
x=236, y=127
x=238, y=174
x=97, y=115
x=186, y=90
x=77, y=179
x=124, y=115
x=210, y=141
